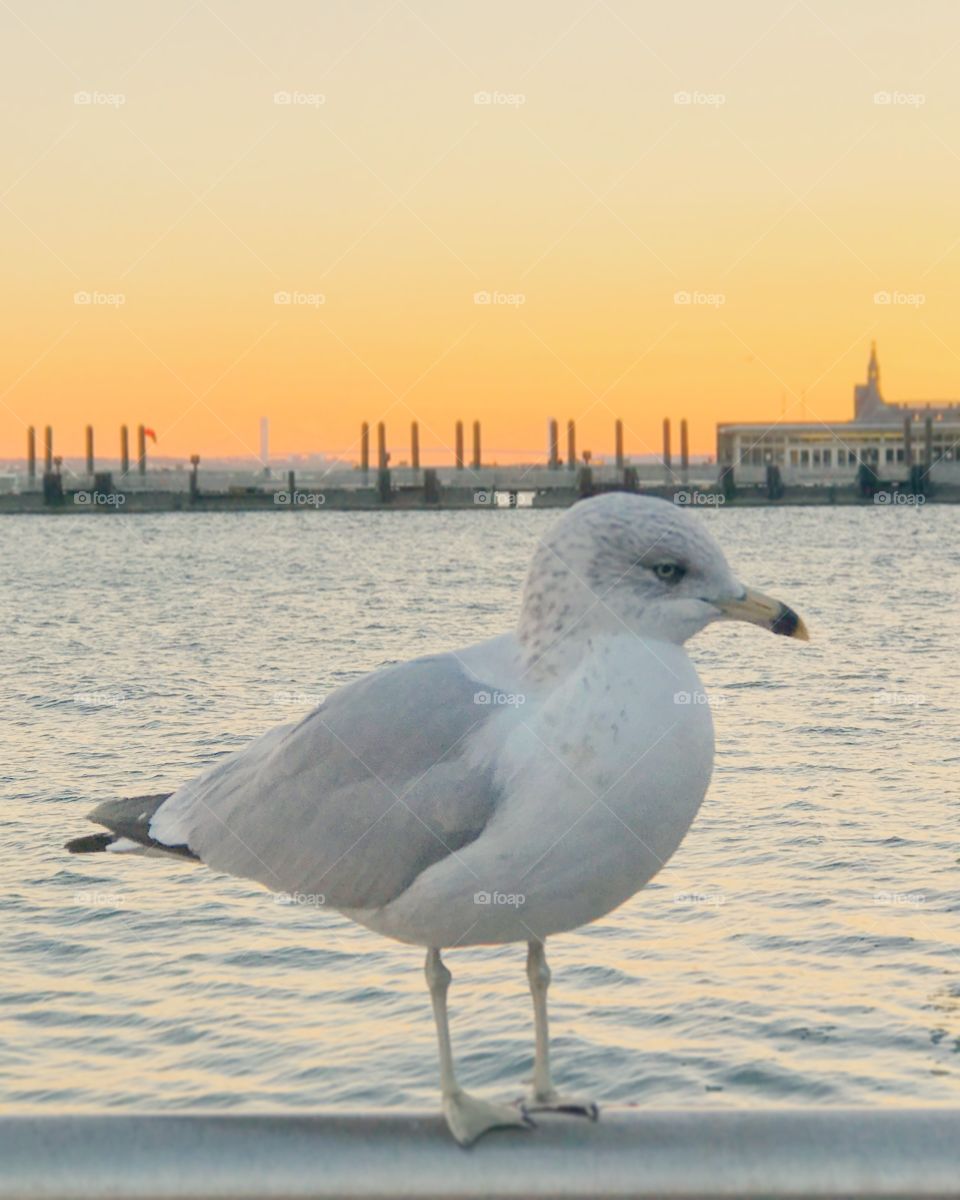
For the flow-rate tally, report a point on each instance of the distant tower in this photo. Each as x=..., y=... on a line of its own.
x=265, y=444
x=868, y=401
x=873, y=369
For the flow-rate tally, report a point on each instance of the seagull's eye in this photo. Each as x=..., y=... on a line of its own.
x=669, y=572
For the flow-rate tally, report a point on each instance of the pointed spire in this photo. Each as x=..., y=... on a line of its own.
x=873, y=368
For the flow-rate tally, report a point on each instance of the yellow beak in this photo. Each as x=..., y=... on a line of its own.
x=759, y=609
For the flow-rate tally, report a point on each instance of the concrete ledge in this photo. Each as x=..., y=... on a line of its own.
x=911, y=1154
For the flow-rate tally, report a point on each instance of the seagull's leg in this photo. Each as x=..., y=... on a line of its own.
x=545, y=1097
x=467, y=1116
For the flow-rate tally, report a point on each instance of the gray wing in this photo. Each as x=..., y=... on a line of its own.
x=356, y=800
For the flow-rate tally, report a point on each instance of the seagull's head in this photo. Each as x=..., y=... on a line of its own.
x=626, y=563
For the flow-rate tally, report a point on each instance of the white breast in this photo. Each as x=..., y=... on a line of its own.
x=602, y=776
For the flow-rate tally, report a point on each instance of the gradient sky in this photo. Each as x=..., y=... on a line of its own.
x=796, y=200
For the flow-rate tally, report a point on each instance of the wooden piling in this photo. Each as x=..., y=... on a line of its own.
x=381, y=446
x=477, y=455
x=194, y=481
x=48, y=448
x=365, y=448
x=31, y=453
x=618, y=442
x=431, y=486
x=667, y=455
x=571, y=445
x=89, y=440
x=553, y=451
x=684, y=448
x=908, y=443
x=124, y=451
x=458, y=450
x=141, y=450
x=414, y=445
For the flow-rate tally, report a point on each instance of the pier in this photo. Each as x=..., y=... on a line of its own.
x=918, y=473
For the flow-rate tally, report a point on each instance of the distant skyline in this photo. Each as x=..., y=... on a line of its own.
x=392, y=210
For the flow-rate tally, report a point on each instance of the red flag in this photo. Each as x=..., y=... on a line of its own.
x=150, y=434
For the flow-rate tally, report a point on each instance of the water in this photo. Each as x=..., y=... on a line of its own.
x=801, y=947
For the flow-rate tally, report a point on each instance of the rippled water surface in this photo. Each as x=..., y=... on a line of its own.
x=802, y=945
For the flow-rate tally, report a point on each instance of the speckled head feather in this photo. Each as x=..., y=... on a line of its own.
x=621, y=563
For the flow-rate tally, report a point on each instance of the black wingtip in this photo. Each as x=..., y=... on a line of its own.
x=90, y=844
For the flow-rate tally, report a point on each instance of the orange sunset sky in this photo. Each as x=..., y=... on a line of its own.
x=815, y=164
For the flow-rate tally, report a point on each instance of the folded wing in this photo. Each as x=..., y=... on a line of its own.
x=355, y=801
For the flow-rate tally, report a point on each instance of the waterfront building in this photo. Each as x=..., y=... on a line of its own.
x=887, y=436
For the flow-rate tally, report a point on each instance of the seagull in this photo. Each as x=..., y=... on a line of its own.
x=523, y=786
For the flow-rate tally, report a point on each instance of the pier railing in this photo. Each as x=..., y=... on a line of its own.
x=908, y=1154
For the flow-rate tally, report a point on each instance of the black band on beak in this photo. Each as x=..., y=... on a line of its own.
x=786, y=622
